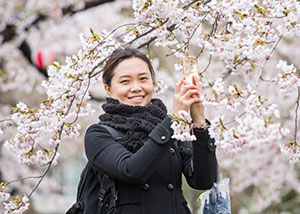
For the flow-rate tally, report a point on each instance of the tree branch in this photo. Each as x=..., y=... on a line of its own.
x=10, y=31
x=70, y=11
x=266, y=59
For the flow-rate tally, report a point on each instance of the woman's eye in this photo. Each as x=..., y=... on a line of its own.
x=144, y=78
x=124, y=81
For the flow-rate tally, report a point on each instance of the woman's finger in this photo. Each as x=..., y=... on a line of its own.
x=192, y=94
x=193, y=100
x=186, y=88
x=195, y=81
x=197, y=84
x=178, y=85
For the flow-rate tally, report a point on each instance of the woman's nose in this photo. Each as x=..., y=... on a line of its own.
x=136, y=87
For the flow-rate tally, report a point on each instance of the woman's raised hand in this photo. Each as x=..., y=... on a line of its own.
x=185, y=97
x=197, y=108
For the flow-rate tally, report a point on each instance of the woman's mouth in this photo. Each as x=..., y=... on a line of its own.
x=136, y=99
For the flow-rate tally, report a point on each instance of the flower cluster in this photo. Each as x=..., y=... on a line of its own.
x=13, y=205
x=182, y=127
x=67, y=90
x=289, y=79
x=3, y=195
x=269, y=174
x=160, y=87
x=291, y=150
x=254, y=126
x=40, y=130
x=16, y=205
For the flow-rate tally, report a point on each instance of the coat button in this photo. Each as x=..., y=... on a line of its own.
x=211, y=145
x=146, y=186
x=172, y=151
x=163, y=138
x=170, y=186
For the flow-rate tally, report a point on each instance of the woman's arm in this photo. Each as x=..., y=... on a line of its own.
x=112, y=158
x=199, y=161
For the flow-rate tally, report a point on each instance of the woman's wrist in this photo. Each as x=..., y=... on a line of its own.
x=200, y=125
x=199, y=121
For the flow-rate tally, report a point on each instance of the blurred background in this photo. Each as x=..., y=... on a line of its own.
x=34, y=33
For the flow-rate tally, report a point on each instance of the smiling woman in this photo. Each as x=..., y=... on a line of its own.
x=132, y=83
x=145, y=163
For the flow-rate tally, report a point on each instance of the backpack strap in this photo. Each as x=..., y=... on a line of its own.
x=117, y=135
x=107, y=183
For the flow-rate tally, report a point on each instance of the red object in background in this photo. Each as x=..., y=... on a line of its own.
x=43, y=57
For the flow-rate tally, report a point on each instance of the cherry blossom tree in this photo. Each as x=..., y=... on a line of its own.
x=246, y=52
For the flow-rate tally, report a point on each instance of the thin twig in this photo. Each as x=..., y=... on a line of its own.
x=262, y=79
x=81, y=101
x=212, y=32
x=192, y=2
x=209, y=61
x=189, y=4
x=266, y=59
x=123, y=34
x=22, y=179
x=46, y=171
x=239, y=116
x=147, y=43
x=234, y=67
x=296, y=116
x=189, y=39
x=5, y=120
x=147, y=32
x=124, y=25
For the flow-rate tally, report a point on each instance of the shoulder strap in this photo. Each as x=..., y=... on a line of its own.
x=107, y=183
x=117, y=135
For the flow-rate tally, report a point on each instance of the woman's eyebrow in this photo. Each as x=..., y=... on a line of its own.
x=144, y=73
x=124, y=76
x=128, y=76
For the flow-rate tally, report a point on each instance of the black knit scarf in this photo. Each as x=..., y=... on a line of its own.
x=135, y=121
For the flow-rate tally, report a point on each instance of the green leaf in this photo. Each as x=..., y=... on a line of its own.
x=286, y=12
x=92, y=32
x=15, y=110
x=128, y=28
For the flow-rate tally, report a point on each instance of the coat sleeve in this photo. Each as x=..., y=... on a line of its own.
x=112, y=158
x=199, y=160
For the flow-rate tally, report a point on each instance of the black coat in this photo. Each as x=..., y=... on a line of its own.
x=150, y=180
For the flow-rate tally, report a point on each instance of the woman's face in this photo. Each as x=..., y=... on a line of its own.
x=132, y=83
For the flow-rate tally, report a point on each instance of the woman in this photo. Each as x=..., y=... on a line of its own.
x=147, y=164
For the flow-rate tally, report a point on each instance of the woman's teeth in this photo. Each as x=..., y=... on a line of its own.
x=137, y=98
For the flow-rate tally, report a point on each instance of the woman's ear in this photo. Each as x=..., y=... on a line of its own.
x=107, y=89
